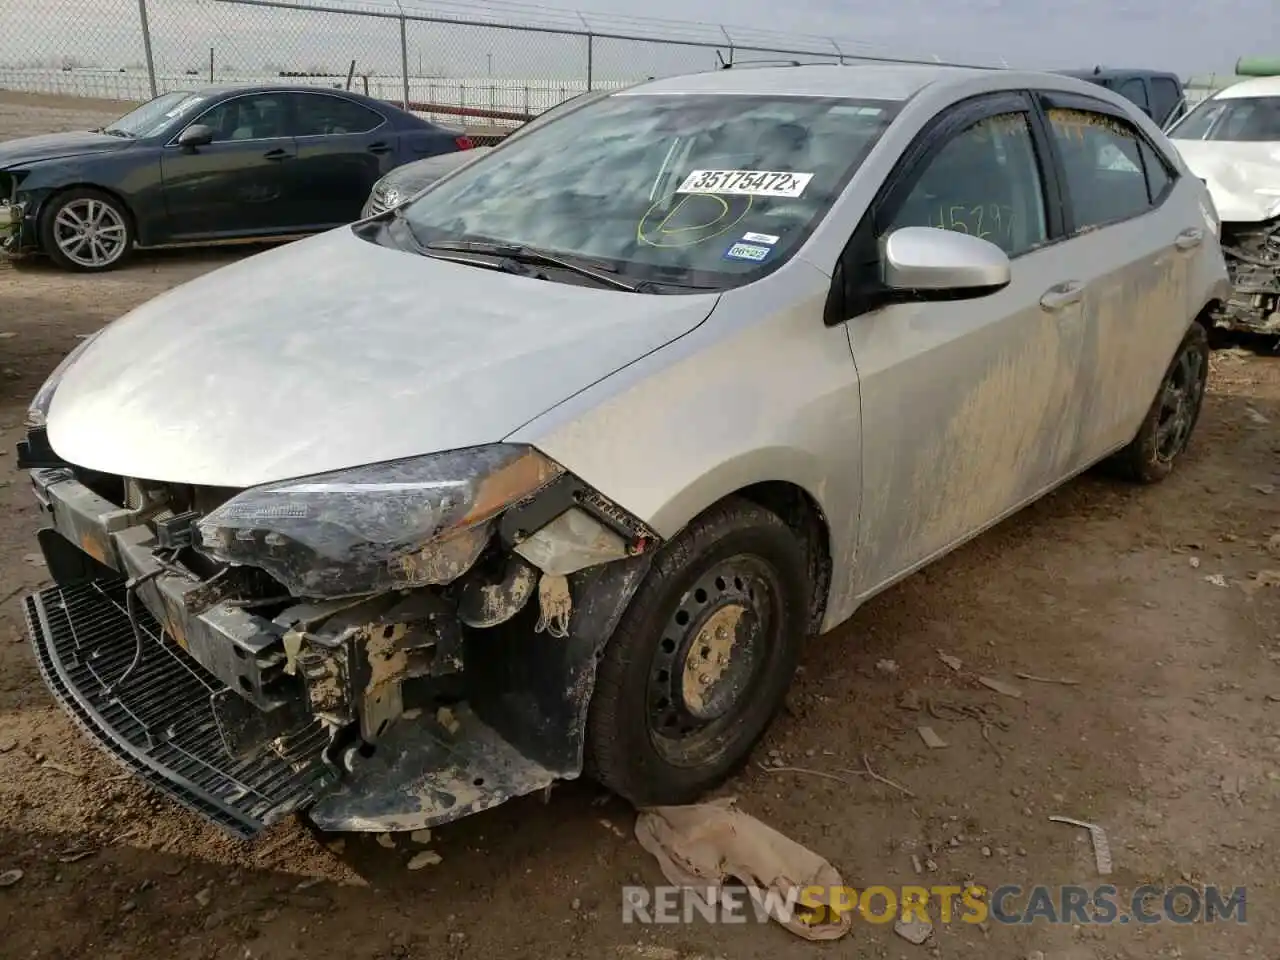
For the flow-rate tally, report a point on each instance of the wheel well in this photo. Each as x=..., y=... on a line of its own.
x=1205, y=316
x=802, y=514
x=1217, y=335
x=67, y=188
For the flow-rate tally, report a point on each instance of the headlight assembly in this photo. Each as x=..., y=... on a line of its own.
x=406, y=523
x=38, y=411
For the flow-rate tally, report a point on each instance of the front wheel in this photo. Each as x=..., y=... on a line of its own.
x=86, y=230
x=1166, y=431
x=702, y=659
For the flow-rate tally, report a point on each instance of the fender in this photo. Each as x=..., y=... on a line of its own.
x=515, y=743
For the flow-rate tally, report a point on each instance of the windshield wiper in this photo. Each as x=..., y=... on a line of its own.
x=113, y=132
x=645, y=286
x=531, y=255
x=505, y=264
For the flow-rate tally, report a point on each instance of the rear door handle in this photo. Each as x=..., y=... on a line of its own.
x=1189, y=239
x=277, y=154
x=379, y=148
x=1062, y=295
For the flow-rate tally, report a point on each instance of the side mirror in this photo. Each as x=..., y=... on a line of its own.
x=196, y=135
x=933, y=264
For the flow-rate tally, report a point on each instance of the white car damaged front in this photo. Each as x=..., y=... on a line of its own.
x=1232, y=142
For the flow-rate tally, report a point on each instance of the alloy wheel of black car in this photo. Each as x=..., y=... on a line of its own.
x=1173, y=415
x=702, y=659
x=86, y=230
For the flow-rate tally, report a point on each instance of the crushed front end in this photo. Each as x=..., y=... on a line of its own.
x=389, y=647
x=12, y=215
x=1252, y=252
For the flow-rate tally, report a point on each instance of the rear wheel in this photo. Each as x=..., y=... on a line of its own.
x=1167, y=429
x=702, y=659
x=86, y=230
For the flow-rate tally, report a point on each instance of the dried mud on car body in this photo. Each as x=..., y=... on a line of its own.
x=1169, y=740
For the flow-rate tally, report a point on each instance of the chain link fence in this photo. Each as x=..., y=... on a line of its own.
x=494, y=63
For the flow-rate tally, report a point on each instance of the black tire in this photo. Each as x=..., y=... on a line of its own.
x=115, y=218
x=1168, y=426
x=736, y=568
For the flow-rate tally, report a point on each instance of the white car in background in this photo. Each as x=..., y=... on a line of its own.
x=1231, y=141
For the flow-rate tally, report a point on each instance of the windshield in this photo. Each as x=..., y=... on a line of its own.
x=1240, y=119
x=706, y=191
x=154, y=115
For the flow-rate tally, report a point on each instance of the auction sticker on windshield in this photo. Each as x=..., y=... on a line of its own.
x=746, y=183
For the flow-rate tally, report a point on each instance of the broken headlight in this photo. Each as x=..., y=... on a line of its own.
x=38, y=411
x=406, y=523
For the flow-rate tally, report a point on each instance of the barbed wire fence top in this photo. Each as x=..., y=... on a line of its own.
x=495, y=62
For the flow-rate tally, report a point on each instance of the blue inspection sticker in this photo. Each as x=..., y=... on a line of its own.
x=753, y=252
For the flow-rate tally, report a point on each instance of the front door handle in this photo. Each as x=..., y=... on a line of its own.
x=1189, y=239
x=1062, y=295
x=277, y=154
x=379, y=148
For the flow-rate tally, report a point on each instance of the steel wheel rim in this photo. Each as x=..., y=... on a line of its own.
x=90, y=233
x=711, y=658
x=1179, y=401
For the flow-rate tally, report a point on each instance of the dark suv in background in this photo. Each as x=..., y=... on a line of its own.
x=1159, y=94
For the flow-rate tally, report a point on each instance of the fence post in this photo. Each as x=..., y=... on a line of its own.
x=146, y=46
x=404, y=59
x=591, y=52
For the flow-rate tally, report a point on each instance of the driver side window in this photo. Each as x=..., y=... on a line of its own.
x=985, y=182
x=251, y=117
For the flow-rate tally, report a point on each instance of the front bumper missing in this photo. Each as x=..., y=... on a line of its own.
x=12, y=216
x=211, y=717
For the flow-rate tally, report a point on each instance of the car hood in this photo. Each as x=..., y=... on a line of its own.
x=55, y=146
x=334, y=352
x=1243, y=178
x=412, y=177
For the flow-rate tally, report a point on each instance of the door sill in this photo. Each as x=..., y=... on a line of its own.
x=228, y=242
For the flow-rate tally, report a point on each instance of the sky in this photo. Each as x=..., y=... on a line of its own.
x=1205, y=37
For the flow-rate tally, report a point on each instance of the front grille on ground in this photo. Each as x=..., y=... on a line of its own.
x=160, y=723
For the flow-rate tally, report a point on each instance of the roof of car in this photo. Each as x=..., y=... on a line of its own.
x=869, y=81
x=1254, y=87
x=221, y=90
x=1111, y=73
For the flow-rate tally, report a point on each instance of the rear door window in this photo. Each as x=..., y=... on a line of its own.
x=1102, y=159
x=320, y=115
x=1160, y=175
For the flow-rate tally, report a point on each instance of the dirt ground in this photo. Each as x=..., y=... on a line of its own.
x=1169, y=737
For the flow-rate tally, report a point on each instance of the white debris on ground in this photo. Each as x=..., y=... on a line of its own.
x=702, y=847
x=427, y=858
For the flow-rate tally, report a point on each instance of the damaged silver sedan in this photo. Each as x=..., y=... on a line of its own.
x=552, y=468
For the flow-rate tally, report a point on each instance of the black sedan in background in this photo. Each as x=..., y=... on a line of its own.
x=403, y=182
x=214, y=165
